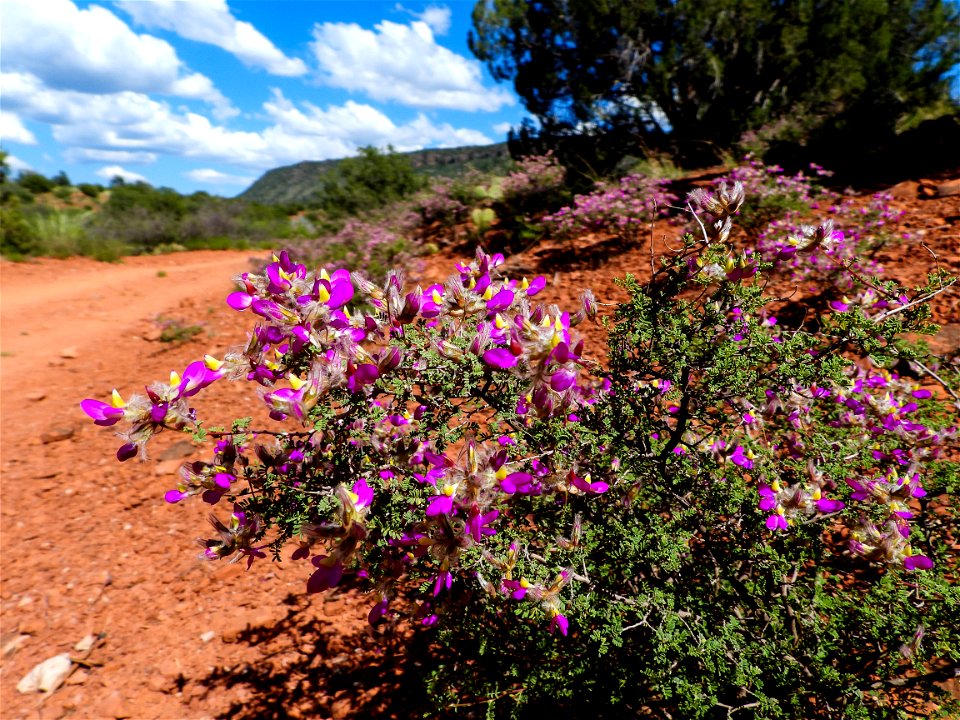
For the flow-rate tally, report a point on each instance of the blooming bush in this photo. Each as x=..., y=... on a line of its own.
x=780, y=216
x=535, y=176
x=725, y=515
x=374, y=246
x=624, y=208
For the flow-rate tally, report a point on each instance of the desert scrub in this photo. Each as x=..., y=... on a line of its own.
x=729, y=516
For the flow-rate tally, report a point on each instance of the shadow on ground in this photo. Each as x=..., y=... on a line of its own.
x=310, y=667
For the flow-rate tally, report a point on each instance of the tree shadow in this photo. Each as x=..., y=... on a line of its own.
x=314, y=667
x=581, y=255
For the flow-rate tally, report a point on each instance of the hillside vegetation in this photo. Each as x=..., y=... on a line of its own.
x=299, y=183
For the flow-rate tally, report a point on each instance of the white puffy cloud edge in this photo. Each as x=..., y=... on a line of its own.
x=100, y=87
x=211, y=22
x=133, y=127
x=402, y=64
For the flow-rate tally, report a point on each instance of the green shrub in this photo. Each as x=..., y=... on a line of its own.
x=18, y=238
x=371, y=180
x=35, y=182
x=90, y=190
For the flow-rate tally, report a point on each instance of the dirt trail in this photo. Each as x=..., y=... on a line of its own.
x=48, y=306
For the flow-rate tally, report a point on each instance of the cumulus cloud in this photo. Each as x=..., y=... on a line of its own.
x=436, y=16
x=92, y=155
x=13, y=130
x=18, y=165
x=140, y=126
x=502, y=128
x=210, y=21
x=94, y=51
x=404, y=64
x=111, y=171
x=215, y=177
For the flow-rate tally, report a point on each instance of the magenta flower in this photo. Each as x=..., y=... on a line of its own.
x=329, y=571
x=584, y=484
x=917, y=562
x=559, y=621
x=538, y=284
x=443, y=582
x=825, y=505
x=500, y=358
x=478, y=525
x=196, y=377
x=777, y=521
x=378, y=611
x=742, y=457
x=517, y=589
x=103, y=414
x=518, y=482
x=440, y=505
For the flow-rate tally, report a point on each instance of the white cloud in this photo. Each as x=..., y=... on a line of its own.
x=111, y=171
x=13, y=130
x=94, y=51
x=402, y=63
x=436, y=16
x=502, y=128
x=132, y=125
x=210, y=21
x=215, y=177
x=92, y=155
x=18, y=165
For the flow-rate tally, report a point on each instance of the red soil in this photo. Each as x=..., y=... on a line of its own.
x=89, y=546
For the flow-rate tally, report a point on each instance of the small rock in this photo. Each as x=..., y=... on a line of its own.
x=85, y=644
x=36, y=396
x=233, y=632
x=208, y=636
x=153, y=335
x=158, y=683
x=113, y=706
x=340, y=708
x=47, y=676
x=56, y=435
x=69, y=353
x=179, y=450
x=169, y=669
x=78, y=678
x=228, y=571
x=167, y=468
x=13, y=644
x=32, y=625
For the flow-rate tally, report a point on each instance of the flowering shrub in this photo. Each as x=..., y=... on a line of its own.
x=623, y=208
x=374, y=246
x=728, y=516
x=535, y=176
x=779, y=218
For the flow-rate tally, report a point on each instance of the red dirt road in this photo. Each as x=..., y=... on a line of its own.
x=88, y=545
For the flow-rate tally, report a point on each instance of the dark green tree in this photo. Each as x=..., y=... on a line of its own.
x=678, y=74
x=367, y=181
x=35, y=182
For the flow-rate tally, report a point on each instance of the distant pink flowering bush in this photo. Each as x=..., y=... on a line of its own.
x=623, y=208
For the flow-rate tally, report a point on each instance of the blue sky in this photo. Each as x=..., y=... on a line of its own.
x=208, y=94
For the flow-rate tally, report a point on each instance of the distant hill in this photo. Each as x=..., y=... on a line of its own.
x=298, y=183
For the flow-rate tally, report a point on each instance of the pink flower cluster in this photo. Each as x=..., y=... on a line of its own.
x=534, y=175
x=310, y=351
x=623, y=208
